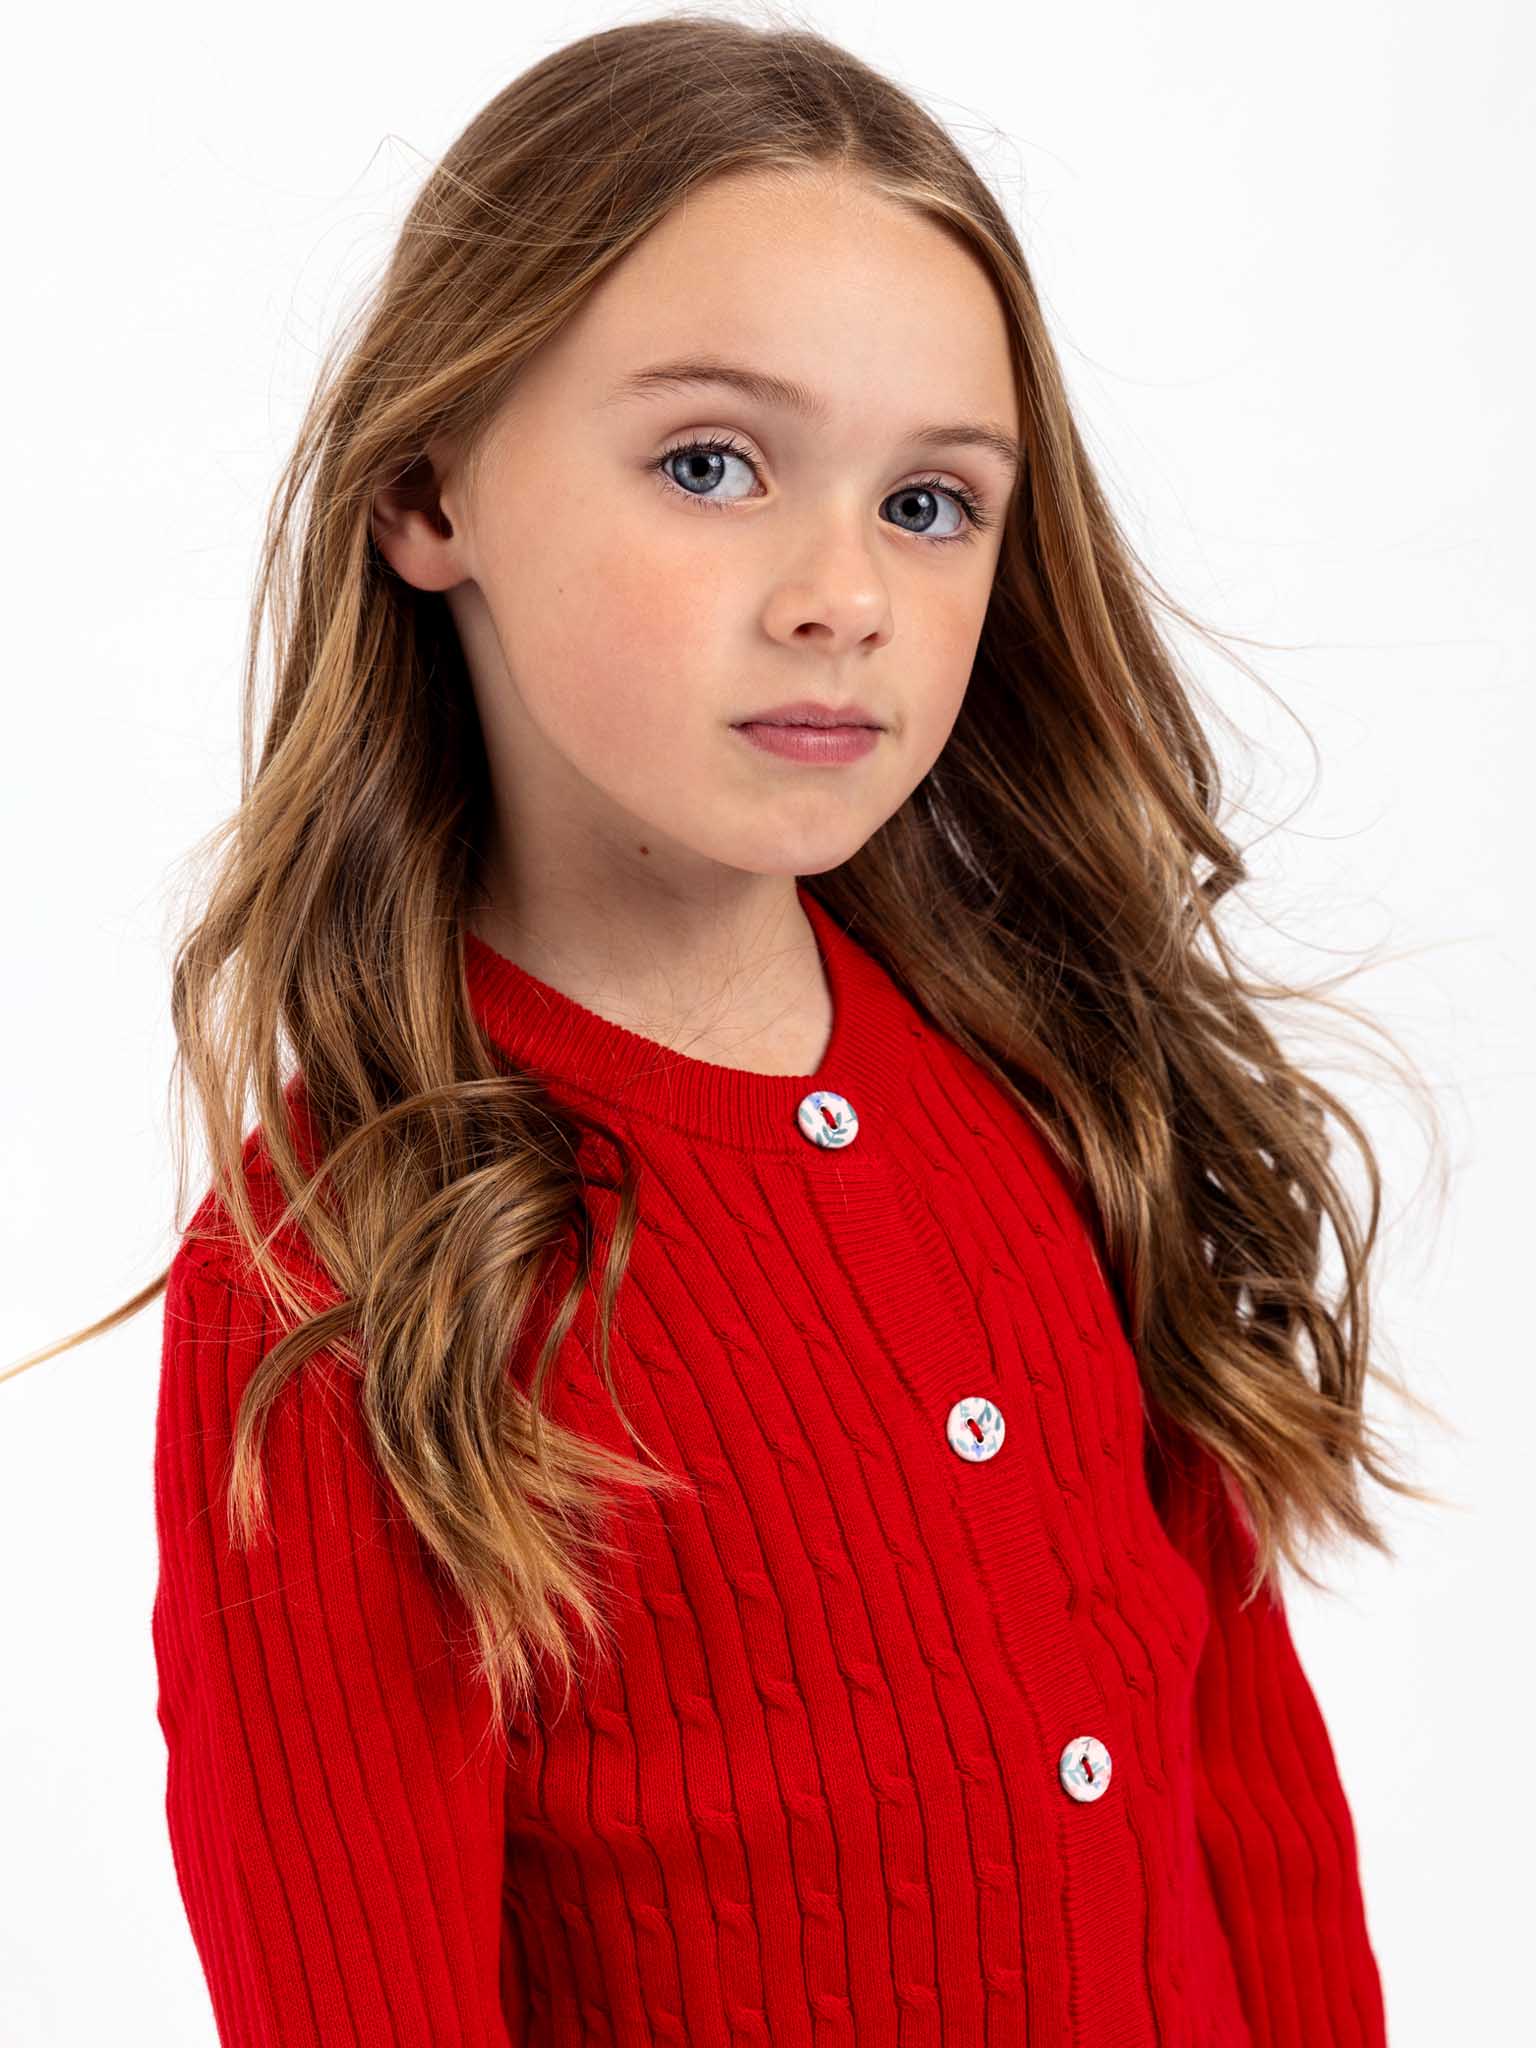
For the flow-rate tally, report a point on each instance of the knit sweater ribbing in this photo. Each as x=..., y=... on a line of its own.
x=818, y=1795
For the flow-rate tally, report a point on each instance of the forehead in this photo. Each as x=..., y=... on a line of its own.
x=817, y=296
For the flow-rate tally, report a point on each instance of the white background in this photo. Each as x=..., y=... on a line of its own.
x=1285, y=257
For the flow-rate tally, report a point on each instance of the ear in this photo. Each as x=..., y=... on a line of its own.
x=411, y=527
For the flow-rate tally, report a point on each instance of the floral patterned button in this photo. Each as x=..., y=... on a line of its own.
x=826, y=1119
x=1085, y=1767
x=975, y=1428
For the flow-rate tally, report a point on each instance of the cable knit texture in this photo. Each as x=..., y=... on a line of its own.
x=820, y=1796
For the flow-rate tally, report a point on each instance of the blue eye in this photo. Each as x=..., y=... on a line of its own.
x=708, y=456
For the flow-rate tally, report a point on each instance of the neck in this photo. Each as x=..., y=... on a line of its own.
x=735, y=978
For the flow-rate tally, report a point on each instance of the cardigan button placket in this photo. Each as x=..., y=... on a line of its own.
x=826, y=1119
x=975, y=1428
x=1085, y=1767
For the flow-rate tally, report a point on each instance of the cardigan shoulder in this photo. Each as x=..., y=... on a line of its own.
x=334, y=1779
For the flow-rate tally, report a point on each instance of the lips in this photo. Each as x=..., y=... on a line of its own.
x=811, y=743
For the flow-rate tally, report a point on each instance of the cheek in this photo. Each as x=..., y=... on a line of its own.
x=618, y=657
x=951, y=632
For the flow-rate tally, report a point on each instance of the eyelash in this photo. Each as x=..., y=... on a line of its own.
x=976, y=516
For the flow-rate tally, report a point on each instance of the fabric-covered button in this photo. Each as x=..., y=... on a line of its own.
x=1085, y=1767
x=827, y=1119
x=975, y=1427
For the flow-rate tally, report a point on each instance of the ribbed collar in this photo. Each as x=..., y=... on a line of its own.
x=875, y=1033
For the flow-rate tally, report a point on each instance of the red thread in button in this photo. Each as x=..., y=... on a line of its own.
x=827, y=1115
x=1087, y=1766
x=974, y=1427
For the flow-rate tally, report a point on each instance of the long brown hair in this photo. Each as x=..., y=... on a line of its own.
x=1047, y=893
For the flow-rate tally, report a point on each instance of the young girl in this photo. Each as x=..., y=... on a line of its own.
x=726, y=1439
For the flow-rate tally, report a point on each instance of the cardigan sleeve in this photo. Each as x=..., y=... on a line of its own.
x=1273, y=1821
x=335, y=1783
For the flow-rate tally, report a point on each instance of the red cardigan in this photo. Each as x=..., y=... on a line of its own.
x=936, y=1718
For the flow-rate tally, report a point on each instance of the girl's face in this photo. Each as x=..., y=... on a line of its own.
x=624, y=606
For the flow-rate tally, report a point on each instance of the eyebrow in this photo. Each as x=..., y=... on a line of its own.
x=792, y=396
